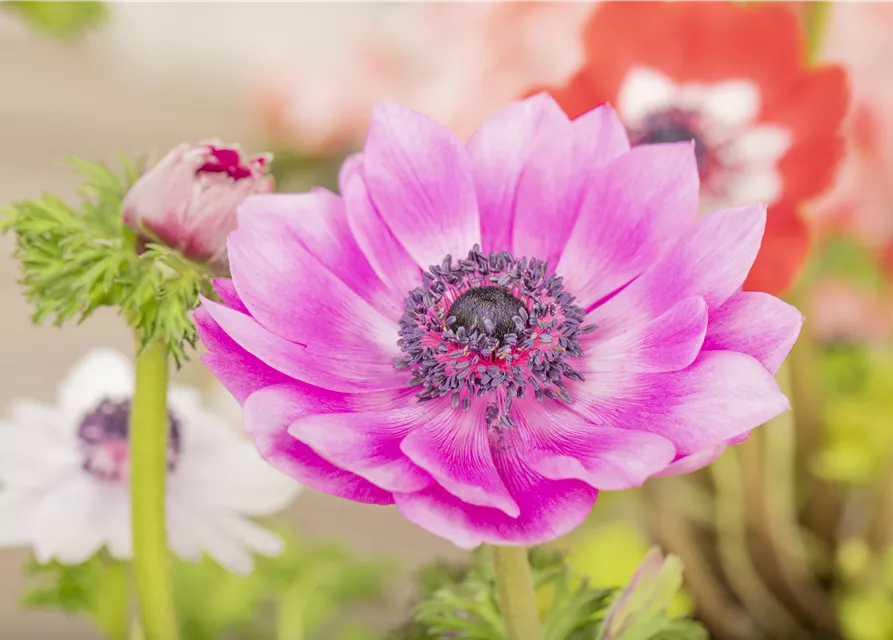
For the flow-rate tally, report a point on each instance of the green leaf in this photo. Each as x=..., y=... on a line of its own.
x=75, y=259
x=61, y=587
x=66, y=20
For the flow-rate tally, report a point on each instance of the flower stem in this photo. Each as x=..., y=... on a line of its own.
x=517, y=597
x=112, y=614
x=148, y=469
x=290, y=613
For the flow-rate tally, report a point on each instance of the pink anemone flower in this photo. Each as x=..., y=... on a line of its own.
x=487, y=334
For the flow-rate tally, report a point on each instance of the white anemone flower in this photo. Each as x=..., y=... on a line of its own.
x=64, y=472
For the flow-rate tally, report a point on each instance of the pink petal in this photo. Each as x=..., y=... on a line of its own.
x=293, y=295
x=318, y=222
x=299, y=363
x=694, y=462
x=549, y=194
x=563, y=162
x=631, y=212
x=240, y=372
x=454, y=447
x=267, y=415
x=420, y=179
x=562, y=445
x=225, y=288
x=668, y=343
x=500, y=150
x=368, y=444
x=349, y=168
x=600, y=137
x=387, y=256
x=721, y=396
x=549, y=510
x=757, y=324
x=711, y=260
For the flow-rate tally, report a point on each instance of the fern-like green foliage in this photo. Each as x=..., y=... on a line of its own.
x=61, y=19
x=457, y=601
x=77, y=258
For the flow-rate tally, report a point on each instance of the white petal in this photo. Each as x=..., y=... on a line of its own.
x=252, y=535
x=725, y=106
x=184, y=400
x=644, y=92
x=232, y=476
x=764, y=145
x=120, y=537
x=33, y=451
x=754, y=184
x=72, y=520
x=102, y=373
x=220, y=467
x=18, y=510
x=193, y=527
x=181, y=533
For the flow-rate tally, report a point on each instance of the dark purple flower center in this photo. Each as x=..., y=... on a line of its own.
x=491, y=325
x=103, y=438
x=228, y=161
x=487, y=310
x=674, y=125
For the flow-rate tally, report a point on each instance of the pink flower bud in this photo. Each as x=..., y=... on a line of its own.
x=188, y=200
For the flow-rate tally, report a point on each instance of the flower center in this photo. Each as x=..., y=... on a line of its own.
x=227, y=161
x=675, y=125
x=490, y=325
x=487, y=310
x=103, y=438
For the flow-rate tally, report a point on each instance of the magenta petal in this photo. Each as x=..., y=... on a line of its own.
x=549, y=193
x=237, y=370
x=500, y=150
x=721, y=396
x=549, y=510
x=387, y=256
x=694, y=461
x=225, y=288
x=293, y=295
x=352, y=165
x=632, y=210
x=711, y=260
x=668, y=343
x=454, y=448
x=267, y=415
x=318, y=221
x=297, y=362
x=757, y=324
x=558, y=171
x=368, y=444
x=562, y=445
x=420, y=179
x=600, y=137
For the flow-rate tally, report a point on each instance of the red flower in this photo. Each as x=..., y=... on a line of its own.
x=733, y=79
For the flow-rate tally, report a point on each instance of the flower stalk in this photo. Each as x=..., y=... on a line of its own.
x=516, y=593
x=112, y=614
x=148, y=450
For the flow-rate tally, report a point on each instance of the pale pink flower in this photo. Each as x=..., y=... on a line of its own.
x=861, y=201
x=188, y=200
x=455, y=61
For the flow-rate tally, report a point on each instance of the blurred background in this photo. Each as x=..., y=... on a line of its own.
x=786, y=535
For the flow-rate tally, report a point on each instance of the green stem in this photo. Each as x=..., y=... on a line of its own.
x=290, y=614
x=113, y=604
x=517, y=597
x=148, y=469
